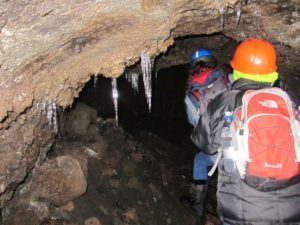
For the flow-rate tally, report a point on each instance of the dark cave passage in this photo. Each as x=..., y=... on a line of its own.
x=167, y=118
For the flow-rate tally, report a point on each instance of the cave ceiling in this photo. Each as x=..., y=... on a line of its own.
x=49, y=49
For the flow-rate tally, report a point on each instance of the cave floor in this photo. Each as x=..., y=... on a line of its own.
x=138, y=179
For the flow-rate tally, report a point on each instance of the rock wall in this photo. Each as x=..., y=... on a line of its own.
x=23, y=145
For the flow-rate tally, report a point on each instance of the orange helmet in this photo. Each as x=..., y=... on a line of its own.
x=254, y=56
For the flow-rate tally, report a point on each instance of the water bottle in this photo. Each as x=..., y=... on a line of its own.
x=298, y=114
x=227, y=144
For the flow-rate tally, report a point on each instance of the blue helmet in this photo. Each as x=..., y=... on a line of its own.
x=201, y=53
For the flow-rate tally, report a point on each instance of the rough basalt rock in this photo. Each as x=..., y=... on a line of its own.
x=23, y=144
x=58, y=181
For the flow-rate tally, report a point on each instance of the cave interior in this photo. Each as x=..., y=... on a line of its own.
x=96, y=142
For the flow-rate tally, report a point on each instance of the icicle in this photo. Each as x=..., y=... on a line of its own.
x=238, y=12
x=133, y=79
x=281, y=38
x=147, y=64
x=135, y=82
x=222, y=12
x=52, y=116
x=281, y=84
x=115, y=96
x=221, y=8
x=49, y=113
x=44, y=106
x=257, y=14
x=155, y=74
x=95, y=80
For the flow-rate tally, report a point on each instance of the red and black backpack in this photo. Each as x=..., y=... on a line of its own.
x=266, y=138
x=204, y=87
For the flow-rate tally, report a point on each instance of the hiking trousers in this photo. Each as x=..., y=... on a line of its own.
x=201, y=162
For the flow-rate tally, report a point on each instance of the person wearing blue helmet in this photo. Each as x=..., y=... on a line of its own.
x=202, y=64
x=206, y=80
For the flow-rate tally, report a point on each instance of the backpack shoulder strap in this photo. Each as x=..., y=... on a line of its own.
x=234, y=95
x=213, y=169
x=238, y=98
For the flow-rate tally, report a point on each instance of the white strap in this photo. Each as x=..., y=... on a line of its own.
x=234, y=138
x=213, y=169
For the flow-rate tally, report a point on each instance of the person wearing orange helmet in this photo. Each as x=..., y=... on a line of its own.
x=255, y=59
x=254, y=68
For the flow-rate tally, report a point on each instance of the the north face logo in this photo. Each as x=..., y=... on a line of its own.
x=279, y=166
x=269, y=103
